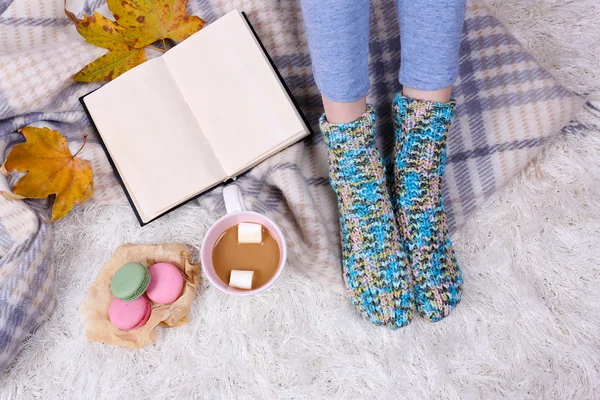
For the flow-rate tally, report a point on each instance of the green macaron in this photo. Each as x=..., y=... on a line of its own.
x=130, y=281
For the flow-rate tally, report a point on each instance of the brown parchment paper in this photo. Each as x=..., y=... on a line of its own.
x=94, y=309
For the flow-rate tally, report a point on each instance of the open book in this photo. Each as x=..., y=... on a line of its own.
x=206, y=111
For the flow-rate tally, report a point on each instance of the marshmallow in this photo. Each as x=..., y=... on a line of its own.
x=249, y=233
x=241, y=279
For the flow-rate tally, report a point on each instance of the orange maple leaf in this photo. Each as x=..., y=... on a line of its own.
x=50, y=170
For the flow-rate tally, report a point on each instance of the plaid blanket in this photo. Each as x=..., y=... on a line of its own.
x=508, y=108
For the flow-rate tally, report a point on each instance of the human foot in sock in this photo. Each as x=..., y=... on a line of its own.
x=420, y=157
x=374, y=263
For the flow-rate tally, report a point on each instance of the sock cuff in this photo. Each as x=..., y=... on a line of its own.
x=415, y=113
x=357, y=133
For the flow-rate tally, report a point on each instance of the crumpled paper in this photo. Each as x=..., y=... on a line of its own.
x=94, y=309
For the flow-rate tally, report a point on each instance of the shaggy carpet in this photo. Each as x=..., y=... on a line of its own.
x=527, y=328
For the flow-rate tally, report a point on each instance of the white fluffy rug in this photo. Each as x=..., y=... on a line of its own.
x=528, y=326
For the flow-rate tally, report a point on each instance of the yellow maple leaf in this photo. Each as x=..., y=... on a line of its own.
x=50, y=170
x=137, y=24
x=147, y=21
x=111, y=65
x=101, y=31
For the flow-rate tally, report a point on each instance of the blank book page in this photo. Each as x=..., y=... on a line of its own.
x=233, y=91
x=153, y=138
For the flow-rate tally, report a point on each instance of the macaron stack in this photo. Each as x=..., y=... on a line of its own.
x=133, y=285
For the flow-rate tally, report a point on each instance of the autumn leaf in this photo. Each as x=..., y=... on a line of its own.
x=110, y=65
x=50, y=170
x=147, y=21
x=101, y=31
x=137, y=24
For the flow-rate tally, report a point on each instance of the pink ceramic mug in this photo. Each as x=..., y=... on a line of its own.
x=236, y=213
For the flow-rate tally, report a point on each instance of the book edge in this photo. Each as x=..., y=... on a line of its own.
x=110, y=160
x=278, y=74
x=309, y=131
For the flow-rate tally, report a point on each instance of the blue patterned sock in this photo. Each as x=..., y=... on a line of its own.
x=420, y=156
x=373, y=260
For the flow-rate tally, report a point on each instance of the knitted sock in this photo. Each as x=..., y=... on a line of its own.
x=420, y=156
x=373, y=260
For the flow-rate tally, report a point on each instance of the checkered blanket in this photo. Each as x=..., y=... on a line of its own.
x=508, y=108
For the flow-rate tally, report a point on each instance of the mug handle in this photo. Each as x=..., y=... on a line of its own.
x=232, y=196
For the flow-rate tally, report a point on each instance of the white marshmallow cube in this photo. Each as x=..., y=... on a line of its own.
x=249, y=233
x=241, y=279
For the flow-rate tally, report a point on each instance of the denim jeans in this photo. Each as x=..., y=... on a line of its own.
x=338, y=39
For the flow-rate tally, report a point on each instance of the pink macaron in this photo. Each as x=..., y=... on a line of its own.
x=128, y=315
x=166, y=283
